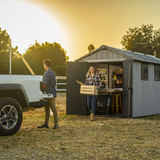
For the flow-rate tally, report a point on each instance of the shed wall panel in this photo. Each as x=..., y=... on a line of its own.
x=146, y=97
x=93, y=56
x=115, y=56
x=109, y=55
x=103, y=54
x=99, y=56
x=121, y=57
x=88, y=58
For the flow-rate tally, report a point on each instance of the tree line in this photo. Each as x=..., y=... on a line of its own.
x=34, y=55
x=142, y=39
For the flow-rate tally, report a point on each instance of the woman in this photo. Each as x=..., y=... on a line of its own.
x=92, y=80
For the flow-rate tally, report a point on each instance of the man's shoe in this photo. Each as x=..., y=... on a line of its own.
x=55, y=127
x=43, y=126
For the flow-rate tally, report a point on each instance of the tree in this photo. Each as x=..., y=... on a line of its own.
x=4, y=40
x=156, y=43
x=91, y=48
x=4, y=54
x=36, y=53
x=142, y=39
x=60, y=70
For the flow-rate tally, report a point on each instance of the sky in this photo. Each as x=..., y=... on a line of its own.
x=75, y=23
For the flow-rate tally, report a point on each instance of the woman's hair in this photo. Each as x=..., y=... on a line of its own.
x=89, y=73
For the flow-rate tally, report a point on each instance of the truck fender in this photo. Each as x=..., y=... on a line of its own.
x=17, y=87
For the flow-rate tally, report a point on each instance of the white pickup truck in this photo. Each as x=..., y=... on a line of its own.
x=19, y=93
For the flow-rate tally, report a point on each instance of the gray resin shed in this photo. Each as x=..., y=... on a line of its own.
x=141, y=80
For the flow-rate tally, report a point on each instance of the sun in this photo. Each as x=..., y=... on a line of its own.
x=26, y=23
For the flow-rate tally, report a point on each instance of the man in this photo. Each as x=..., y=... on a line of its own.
x=50, y=79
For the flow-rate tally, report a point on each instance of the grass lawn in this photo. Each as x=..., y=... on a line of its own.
x=79, y=138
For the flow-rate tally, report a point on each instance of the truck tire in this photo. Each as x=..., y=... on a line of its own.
x=10, y=116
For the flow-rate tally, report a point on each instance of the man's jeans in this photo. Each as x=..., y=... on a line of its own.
x=91, y=103
x=51, y=105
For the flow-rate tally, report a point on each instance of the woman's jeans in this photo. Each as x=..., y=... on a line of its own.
x=91, y=103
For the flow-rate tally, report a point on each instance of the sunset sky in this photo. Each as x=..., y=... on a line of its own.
x=75, y=23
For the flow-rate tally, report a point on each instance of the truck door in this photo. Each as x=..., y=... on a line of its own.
x=127, y=88
x=76, y=102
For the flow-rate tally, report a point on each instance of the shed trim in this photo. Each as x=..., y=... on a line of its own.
x=104, y=60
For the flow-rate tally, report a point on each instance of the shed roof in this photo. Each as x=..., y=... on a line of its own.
x=129, y=54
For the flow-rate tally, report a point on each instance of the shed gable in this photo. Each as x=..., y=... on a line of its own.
x=103, y=54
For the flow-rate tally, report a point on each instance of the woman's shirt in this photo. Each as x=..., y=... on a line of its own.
x=93, y=81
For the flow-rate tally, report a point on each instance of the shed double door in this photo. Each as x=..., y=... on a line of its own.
x=127, y=88
x=76, y=102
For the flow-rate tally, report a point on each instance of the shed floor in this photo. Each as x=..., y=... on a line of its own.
x=111, y=115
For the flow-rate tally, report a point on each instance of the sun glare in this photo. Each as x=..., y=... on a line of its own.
x=26, y=23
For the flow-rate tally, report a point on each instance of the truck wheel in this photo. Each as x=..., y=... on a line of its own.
x=10, y=116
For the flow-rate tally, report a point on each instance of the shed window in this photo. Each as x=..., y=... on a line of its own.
x=156, y=73
x=144, y=71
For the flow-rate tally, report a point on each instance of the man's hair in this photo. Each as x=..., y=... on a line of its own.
x=47, y=62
